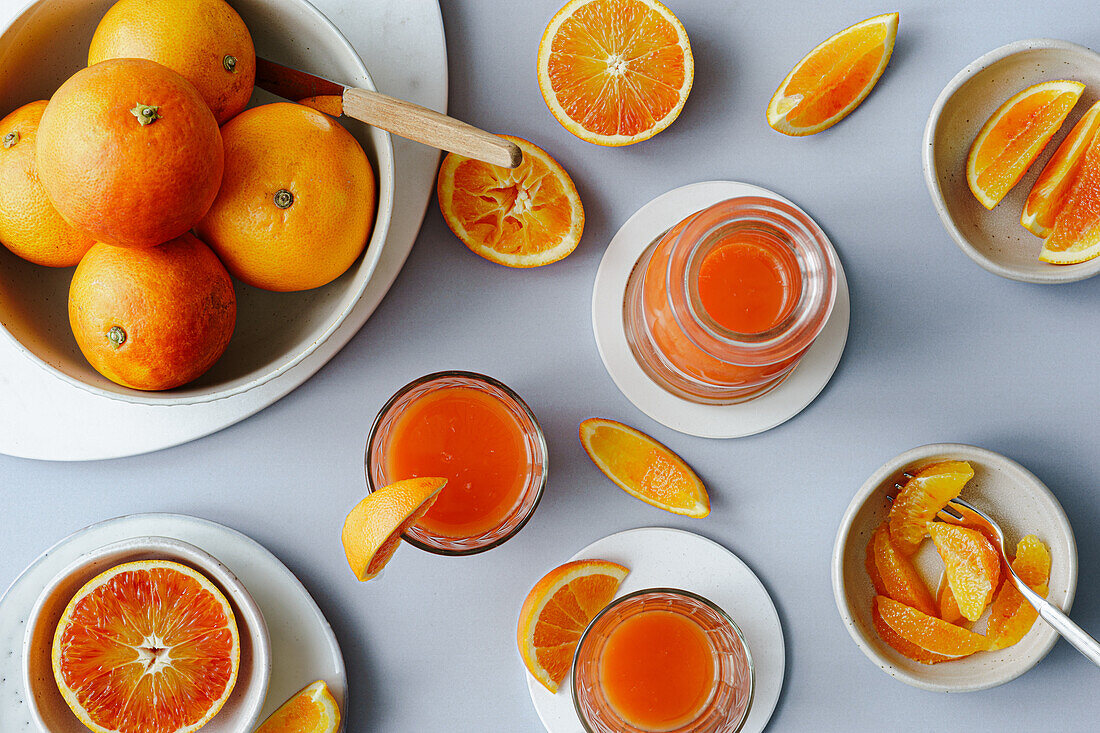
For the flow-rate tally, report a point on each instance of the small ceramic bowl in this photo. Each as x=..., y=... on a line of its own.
x=995, y=239
x=44, y=45
x=1010, y=494
x=46, y=706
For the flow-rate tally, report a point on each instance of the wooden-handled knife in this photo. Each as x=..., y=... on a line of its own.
x=397, y=116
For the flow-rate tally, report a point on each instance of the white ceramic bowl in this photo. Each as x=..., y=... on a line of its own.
x=49, y=710
x=995, y=239
x=1018, y=501
x=45, y=44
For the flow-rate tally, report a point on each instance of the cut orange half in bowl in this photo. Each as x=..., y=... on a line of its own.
x=644, y=468
x=1048, y=195
x=1014, y=136
x=832, y=79
x=373, y=529
x=312, y=709
x=1076, y=234
x=615, y=72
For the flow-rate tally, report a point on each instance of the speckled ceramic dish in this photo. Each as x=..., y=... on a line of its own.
x=995, y=239
x=1013, y=496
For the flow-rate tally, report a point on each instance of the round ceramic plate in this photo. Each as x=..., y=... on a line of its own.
x=673, y=558
x=303, y=646
x=707, y=421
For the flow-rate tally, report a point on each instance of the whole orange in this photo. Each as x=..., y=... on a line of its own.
x=29, y=224
x=204, y=40
x=297, y=203
x=153, y=318
x=128, y=152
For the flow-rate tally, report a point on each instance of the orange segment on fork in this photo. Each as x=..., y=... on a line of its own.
x=924, y=494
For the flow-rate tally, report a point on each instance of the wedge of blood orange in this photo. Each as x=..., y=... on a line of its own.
x=1076, y=234
x=1048, y=195
x=1014, y=136
x=147, y=647
x=832, y=79
x=526, y=216
x=312, y=709
x=373, y=529
x=615, y=72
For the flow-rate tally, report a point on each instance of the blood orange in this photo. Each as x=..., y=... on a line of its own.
x=147, y=647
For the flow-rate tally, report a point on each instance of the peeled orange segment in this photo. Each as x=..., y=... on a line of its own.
x=929, y=490
x=900, y=644
x=1048, y=195
x=897, y=576
x=644, y=468
x=615, y=72
x=311, y=710
x=928, y=632
x=1012, y=616
x=373, y=529
x=526, y=216
x=1014, y=136
x=557, y=611
x=946, y=603
x=147, y=647
x=831, y=80
x=1076, y=234
x=972, y=566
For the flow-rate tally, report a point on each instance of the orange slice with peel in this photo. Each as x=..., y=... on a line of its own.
x=896, y=575
x=1076, y=234
x=373, y=529
x=557, y=611
x=147, y=647
x=312, y=709
x=644, y=468
x=615, y=72
x=972, y=566
x=1048, y=195
x=832, y=79
x=928, y=491
x=526, y=216
x=928, y=632
x=1012, y=616
x=1014, y=136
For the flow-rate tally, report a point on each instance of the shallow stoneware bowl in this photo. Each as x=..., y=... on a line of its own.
x=995, y=239
x=45, y=44
x=49, y=710
x=1010, y=494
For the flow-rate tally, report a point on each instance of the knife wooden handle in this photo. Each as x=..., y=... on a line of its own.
x=427, y=126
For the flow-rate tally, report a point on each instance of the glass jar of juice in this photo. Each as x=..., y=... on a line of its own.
x=662, y=659
x=720, y=308
x=479, y=435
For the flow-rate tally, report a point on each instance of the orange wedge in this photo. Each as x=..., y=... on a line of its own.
x=644, y=468
x=372, y=531
x=928, y=632
x=831, y=80
x=1014, y=136
x=972, y=566
x=1050, y=191
x=1076, y=234
x=615, y=72
x=929, y=490
x=522, y=217
x=311, y=710
x=557, y=611
x=1012, y=616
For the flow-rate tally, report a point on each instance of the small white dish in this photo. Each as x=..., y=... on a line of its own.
x=995, y=239
x=706, y=421
x=673, y=558
x=1017, y=500
x=46, y=705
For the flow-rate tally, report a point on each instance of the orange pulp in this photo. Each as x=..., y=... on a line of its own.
x=748, y=284
x=470, y=438
x=658, y=670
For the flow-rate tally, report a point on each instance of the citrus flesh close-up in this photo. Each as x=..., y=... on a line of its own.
x=312, y=709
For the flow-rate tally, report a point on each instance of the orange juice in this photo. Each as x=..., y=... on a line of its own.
x=470, y=438
x=749, y=285
x=658, y=670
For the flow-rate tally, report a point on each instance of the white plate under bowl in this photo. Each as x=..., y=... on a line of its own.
x=47, y=43
x=673, y=558
x=995, y=239
x=303, y=647
x=1018, y=501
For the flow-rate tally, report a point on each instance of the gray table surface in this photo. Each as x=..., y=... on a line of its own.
x=939, y=350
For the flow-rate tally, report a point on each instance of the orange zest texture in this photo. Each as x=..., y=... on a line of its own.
x=311, y=710
x=373, y=529
x=928, y=491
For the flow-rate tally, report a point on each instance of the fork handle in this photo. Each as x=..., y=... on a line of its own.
x=1054, y=616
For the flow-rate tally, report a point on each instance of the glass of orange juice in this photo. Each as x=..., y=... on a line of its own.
x=720, y=308
x=662, y=659
x=479, y=435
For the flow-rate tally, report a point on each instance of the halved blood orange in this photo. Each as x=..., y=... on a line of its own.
x=526, y=216
x=1052, y=188
x=147, y=647
x=928, y=632
x=832, y=79
x=1076, y=234
x=1012, y=616
x=928, y=491
x=311, y=710
x=615, y=72
x=1014, y=136
x=372, y=530
x=971, y=564
x=557, y=611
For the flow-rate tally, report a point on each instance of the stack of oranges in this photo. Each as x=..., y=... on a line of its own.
x=145, y=172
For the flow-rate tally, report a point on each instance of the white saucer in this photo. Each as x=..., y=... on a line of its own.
x=706, y=421
x=303, y=646
x=673, y=558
